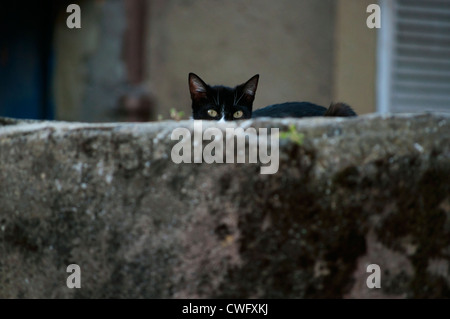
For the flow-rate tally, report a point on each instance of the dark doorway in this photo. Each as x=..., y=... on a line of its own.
x=26, y=58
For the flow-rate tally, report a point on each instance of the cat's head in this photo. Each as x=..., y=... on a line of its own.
x=220, y=102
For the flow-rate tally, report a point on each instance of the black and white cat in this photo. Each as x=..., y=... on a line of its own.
x=221, y=103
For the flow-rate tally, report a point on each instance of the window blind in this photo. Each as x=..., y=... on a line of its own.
x=420, y=56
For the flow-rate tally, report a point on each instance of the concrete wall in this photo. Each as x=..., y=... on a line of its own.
x=109, y=198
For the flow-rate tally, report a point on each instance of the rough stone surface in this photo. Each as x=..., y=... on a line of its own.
x=369, y=190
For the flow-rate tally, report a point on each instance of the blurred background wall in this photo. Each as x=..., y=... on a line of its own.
x=288, y=42
x=131, y=58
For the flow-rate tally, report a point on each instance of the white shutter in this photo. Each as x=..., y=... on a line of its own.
x=420, y=56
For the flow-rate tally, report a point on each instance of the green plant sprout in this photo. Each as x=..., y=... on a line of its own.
x=176, y=115
x=293, y=135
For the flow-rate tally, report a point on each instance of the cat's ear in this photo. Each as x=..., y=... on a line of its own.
x=197, y=87
x=249, y=88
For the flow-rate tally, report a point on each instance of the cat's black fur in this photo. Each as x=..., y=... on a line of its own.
x=304, y=109
x=224, y=103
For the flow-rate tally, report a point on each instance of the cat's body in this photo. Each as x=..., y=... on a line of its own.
x=228, y=104
x=303, y=109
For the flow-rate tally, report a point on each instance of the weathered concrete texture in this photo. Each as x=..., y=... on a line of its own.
x=370, y=190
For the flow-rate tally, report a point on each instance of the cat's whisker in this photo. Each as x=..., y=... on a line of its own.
x=240, y=98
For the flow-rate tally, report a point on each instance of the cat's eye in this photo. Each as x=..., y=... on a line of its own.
x=212, y=113
x=238, y=114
